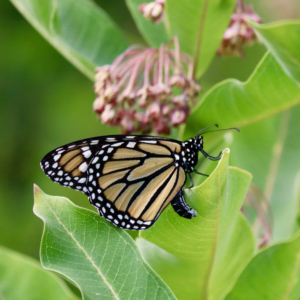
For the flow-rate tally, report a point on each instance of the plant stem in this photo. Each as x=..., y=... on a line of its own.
x=200, y=34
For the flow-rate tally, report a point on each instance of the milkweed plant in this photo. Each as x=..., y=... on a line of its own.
x=244, y=242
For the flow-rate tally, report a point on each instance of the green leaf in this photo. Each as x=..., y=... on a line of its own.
x=282, y=39
x=79, y=30
x=101, y=259
x=22, y=277
x=154, y=34
x=269, y=150
x=199, y=25
x=203, y=257
x=233, y=103
x=273, y=274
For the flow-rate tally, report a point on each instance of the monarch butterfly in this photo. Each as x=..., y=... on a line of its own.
x=130, y=179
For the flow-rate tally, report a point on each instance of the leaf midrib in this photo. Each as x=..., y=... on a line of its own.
x=205, y=294
x=83, y=250
x=292, y=278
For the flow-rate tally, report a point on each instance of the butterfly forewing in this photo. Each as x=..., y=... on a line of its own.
x=130, y=179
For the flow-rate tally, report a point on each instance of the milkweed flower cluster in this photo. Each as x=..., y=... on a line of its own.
x=239, y=33
x=145, y=88
x=153, y=11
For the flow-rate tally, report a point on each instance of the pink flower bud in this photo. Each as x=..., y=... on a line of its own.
x=239, y=33
x=153, y=11
x=98, y=105
x=108, y=114
x=178, y=117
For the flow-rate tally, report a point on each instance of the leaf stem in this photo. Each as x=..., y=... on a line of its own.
x=200, y=34
x=277, y=152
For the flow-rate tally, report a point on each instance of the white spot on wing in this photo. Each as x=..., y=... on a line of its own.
x=95, y=159
x=117, y=144
x=83, y=167
x=149, y=142
x=56, y=157
x=82, y=180
x=131, y=144
x=87, y=154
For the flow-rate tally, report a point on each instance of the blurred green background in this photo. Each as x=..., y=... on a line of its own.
x=46, y=102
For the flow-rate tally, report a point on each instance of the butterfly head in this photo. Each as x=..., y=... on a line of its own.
x=190, y=149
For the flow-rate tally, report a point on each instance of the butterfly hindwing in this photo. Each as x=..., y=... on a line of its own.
x=68, y=164
x=131, y=182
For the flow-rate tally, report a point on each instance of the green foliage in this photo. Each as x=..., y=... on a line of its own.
x=21, y=277
x=282, y=39
x=274, y=274
x=271, y=147
x=79, y=30
x=210, y=257
x=233, y=103
x=194, y=257
x=101, y=259
x=199, y=26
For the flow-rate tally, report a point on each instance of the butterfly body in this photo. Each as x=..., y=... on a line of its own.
x=130, y=179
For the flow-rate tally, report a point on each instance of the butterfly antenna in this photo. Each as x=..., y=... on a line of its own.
x=207, y=127
x=235, y=128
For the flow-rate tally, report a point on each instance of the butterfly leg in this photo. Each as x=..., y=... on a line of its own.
x=187, y=170
x=181, y=207
x=201, y=173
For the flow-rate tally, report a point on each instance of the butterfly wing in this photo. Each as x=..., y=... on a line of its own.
x=131, y=182
x=68, y=164
x=129, y=179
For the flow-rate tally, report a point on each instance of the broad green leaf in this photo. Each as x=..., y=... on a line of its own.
x=203, y=257
x=22, y=277
x=297, y=200
x=79, y=30
x=269, y=150
x=199, y=25
x=101, y=259
x=233, y=103
x=282, y=39
x=154, y=34
x=273, y=274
